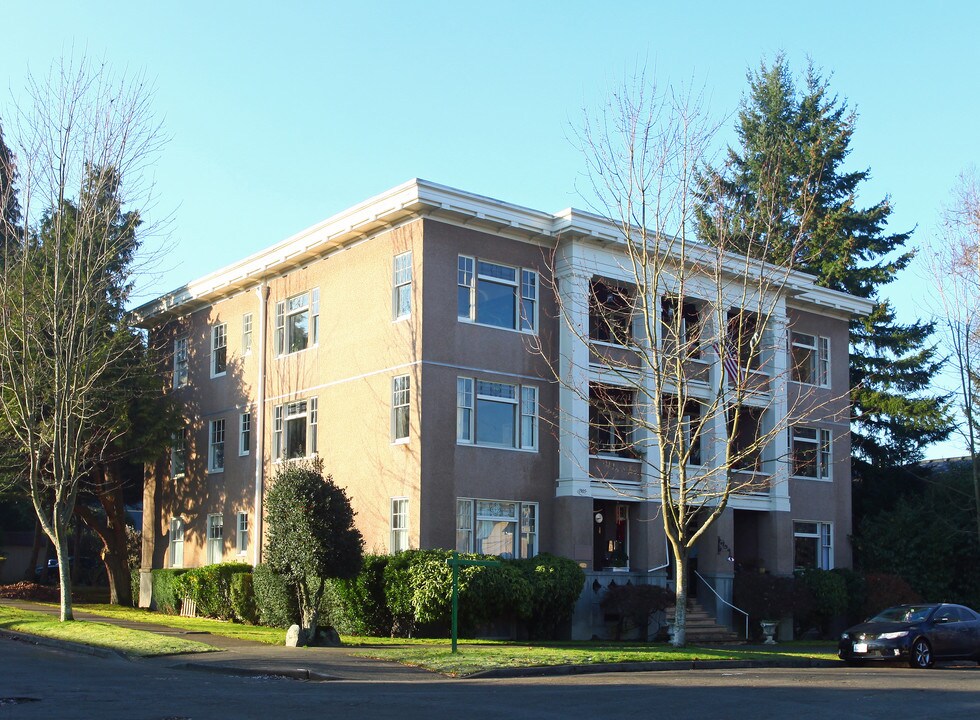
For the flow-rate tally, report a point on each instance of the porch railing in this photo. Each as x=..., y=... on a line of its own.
x=723, y=600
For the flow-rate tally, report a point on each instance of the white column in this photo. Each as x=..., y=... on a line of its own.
x=573, y=404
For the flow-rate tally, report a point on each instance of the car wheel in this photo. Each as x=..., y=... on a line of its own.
x=920, y=655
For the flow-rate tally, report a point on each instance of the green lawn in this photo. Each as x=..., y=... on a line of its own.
x=474, y=656
x=130, y=642
x=477, y=655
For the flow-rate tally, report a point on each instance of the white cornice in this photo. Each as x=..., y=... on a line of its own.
x=417, y=199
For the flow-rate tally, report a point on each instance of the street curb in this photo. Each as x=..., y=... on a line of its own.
x=63, y=645
x=562, y=670
x=292, y=673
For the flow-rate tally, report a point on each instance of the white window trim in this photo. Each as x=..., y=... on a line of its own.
x=393, y=514
x=401, y=277
x=181, y=361
x=241, y=532
x=212, y=548
x=213, y=441
x=244, y=432
x=526, y=288
x=397, y=395
x=467, y=391
x=176, y=549
x=825, y=541
x=178, y=447
x=520, y=534
x=219, y=333
x=824, y=443
x=280, y=428
x=247, y=334
x=312, y=308
x=821, y=358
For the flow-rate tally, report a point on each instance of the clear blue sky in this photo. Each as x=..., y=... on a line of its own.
x=284, y=113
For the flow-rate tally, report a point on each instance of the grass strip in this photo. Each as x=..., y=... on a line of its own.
x=130, y=642
x=254, y=633
x=475, y=657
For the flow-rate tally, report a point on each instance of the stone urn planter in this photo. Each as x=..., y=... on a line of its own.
x=769, y=631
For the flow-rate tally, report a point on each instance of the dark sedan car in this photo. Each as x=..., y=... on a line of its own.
x=919, y=634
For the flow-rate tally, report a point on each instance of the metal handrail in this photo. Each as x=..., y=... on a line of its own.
x=711, y=588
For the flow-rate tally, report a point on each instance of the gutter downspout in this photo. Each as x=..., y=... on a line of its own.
x=262, y=292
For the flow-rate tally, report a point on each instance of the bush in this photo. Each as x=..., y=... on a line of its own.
x=241, y=591
x=886, y=590
x=857, y=594
x=210, y=588
x=827, y=599
x=364, y=605
x=766, y=597
x=276, y=602
x=556, y=584
x=167, y=596
x=400, y=590
x=634, y=605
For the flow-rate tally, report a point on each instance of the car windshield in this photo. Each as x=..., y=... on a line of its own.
x=907, y=613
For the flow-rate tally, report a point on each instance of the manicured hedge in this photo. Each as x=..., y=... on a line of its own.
x=242, y=593
x=210, y=587
x=410, y=593
x=276, y=603
x=167, y=593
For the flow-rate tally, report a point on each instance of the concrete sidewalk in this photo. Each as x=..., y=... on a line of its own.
x=243, y=657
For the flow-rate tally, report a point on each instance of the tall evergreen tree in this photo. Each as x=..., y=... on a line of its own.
x=10, y=216
x=810, y=217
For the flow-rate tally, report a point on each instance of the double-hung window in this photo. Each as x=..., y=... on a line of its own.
x=810, y=355
x=400, y=400
x=812, y=453
x=216, y=539
x=399, y=524
x=813, y=545
x=178, y=455
x=294, y=430
x=216, y=446
x=497, y=527
x=496, y=414
x=176, y=542
x=241, y=537
x=610, y=313
x=402, y=284
x=298, y=322
x=246, y=333
x=219, y=350
x=245, y=433
x=180, y=362
x=497, y=295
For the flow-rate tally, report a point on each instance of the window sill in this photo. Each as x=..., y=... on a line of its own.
x=616, y=458
x=467, y=321
x=401, y=318
x=216, y=471
x=531, y=451
x=617, y=346
x=219, y=375
x=401, y=441
x=811, y=385
x=294, y=353
x=812, y=479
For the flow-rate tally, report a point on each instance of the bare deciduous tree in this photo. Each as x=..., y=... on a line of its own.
x=677, y=345
x=956, y=269
x=78, y=135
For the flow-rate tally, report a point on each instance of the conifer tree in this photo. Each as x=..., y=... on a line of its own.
x=802, y=136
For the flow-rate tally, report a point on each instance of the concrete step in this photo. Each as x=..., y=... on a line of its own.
x=700, y=627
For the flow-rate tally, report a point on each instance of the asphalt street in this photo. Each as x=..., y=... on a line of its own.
x=43, y=682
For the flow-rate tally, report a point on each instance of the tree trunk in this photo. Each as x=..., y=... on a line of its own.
x=64, y=575
x=680, y=605
x=112, y=532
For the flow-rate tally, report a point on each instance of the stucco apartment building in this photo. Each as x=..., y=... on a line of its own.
x=412, y=343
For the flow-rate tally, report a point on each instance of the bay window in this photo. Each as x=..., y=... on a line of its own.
x=505, y=528
x=298, y=322
x=496, y=414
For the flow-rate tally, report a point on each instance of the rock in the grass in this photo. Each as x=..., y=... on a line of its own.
x=294, y=636
x=327, y=637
